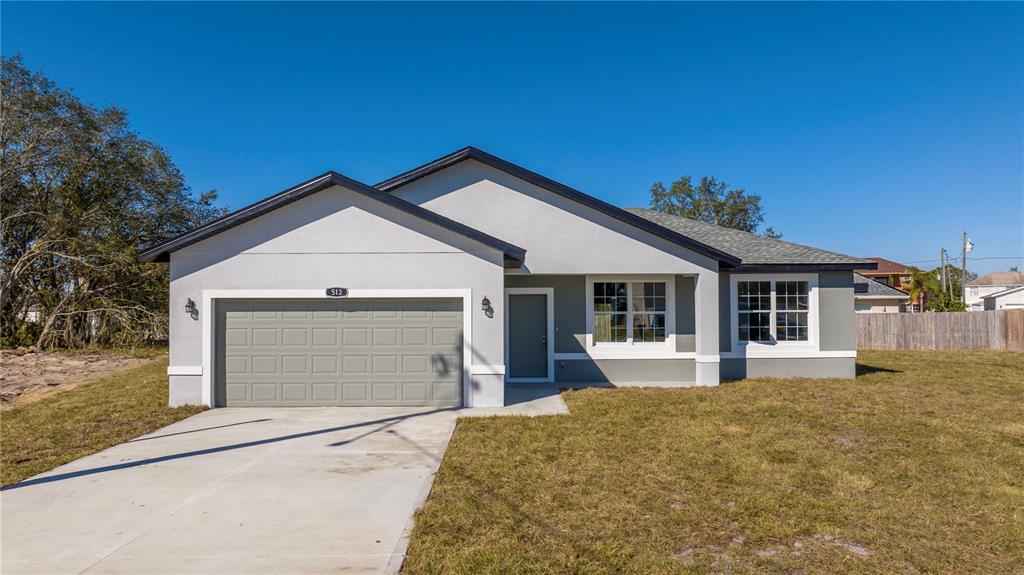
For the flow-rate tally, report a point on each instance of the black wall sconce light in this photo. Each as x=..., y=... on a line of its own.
x=191, y=309
x=485, y=304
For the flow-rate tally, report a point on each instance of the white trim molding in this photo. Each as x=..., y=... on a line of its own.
x=209, y=313
x=487, y=369
x=184, y=370
x=549, y=295
x=625, y=354
x=630, y=349
x=708, y=359
x=786, y=354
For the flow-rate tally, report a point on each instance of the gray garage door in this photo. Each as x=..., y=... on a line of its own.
x=339, y=352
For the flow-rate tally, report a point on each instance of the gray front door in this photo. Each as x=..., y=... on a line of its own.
x=527, y=336
x=338, y=352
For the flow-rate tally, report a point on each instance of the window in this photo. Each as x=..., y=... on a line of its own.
x=755, y=306
x=773, y=310
x=648, y=311
x=630, y=312
x=610, y=311
x=791, y=303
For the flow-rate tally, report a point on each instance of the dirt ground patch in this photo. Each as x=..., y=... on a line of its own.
x=28, y=377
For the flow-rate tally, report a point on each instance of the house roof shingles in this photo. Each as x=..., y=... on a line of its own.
x=753, y=250
x=877, y=289
x=999, y=279
x=888, y=267
x=732, y=248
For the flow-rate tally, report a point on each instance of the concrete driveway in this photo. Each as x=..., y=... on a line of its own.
x=296, y=490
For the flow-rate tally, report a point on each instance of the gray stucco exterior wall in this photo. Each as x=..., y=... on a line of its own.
x=740, y=368
x=835, y=334
x=724, y=312
x=336, y=238
x=627, y=372
x=571, y=306
x=836, y=311
x=570, y=336
x=686, y=314
x=570, y=310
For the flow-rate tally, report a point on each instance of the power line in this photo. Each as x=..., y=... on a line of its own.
x=971, y=259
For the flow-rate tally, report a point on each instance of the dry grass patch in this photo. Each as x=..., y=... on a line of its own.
x=39, y=436
x=915, y=467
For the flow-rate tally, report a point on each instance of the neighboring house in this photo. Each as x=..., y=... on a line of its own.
x=438, y=286
x=870, y=296
x=1012, y=298
x=31, y=313
x=894, y=275
x=990, y=283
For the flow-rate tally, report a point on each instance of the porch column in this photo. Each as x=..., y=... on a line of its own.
x=707, y=327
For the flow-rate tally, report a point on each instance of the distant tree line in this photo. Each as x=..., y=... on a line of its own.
x=80, y=193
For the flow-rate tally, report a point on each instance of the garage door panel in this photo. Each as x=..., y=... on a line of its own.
x=355, y=337
x=295, y=392
x=355, y=365
x=339, y=352
x=325, y=392
x=294, y=364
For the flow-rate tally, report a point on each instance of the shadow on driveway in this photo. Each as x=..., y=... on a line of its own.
x=389, y=421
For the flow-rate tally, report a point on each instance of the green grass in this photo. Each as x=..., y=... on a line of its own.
x=39, y=436
x=917, y=466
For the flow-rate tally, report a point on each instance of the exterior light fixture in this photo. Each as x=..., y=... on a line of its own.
x=190, y=307
x=485, y=303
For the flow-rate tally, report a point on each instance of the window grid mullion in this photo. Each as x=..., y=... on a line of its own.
x=629, y=313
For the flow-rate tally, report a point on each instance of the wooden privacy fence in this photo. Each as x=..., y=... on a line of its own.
x=1002, y=330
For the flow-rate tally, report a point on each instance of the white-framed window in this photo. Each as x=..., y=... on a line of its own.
x=630, y=311
x=774, y=311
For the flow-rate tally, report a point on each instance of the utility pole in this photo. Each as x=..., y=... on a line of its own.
x=963, y=268
x=942, y=266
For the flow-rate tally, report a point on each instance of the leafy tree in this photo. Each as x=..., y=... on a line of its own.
x=81, y=193
x=946, y=302
x=712, y=202
x=929, y=284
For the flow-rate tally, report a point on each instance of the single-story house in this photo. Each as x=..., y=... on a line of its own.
x=441, y=284
x=870, y=296
x=1012, y=298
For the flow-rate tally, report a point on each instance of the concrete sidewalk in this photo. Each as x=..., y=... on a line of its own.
x=243, y=490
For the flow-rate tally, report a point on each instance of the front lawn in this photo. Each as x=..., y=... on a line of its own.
x=915, y=467
x=39, y=436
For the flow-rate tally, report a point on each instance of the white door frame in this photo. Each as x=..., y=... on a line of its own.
x=549, y=294
x=210, y=296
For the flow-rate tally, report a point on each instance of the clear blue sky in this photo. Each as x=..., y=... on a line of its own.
x=869, y=129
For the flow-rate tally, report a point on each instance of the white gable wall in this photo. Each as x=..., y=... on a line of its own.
x=334, y=238
x=560, y=235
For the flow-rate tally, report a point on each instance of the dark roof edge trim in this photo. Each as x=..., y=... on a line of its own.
x=802, y=267
x=561, y=189
x=515, y=256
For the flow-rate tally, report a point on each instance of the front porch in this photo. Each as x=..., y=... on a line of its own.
x=615, y=330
